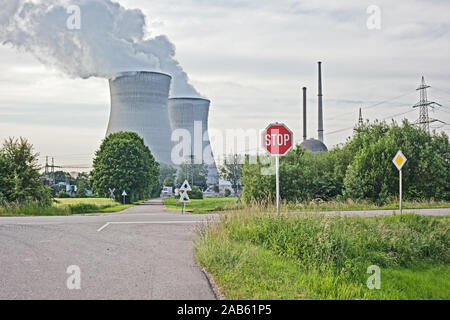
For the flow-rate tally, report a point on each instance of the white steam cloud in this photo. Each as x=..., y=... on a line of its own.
x=111, y=39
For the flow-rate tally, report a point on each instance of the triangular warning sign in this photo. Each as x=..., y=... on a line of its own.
x=185, y=186
x=184, y=197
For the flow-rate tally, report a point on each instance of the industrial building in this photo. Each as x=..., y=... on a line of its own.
x=184, y=113
x=139, y=104
x=314, y=145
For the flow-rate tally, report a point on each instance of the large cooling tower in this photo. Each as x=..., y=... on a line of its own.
x=139, y=104
x=183, y=114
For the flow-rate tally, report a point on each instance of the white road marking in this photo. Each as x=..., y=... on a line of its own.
x=147, y=222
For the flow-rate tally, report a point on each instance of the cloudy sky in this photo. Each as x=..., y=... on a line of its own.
x=251, y=58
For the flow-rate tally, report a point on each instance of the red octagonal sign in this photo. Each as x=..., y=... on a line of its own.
x=277, y=139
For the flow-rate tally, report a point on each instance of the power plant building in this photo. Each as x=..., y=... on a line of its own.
x=139, y=104
x=191, y=114
x=314, y=145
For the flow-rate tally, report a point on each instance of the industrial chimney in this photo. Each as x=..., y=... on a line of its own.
x=314, y=145
x=320, y=103
x=139, y=104
x=191, y=114
x=304, y=113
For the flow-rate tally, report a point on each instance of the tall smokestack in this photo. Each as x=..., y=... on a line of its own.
x=320, y=103
x=304, y=113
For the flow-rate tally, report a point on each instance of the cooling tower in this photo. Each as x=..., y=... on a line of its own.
x=183, y=114
x=139, y=104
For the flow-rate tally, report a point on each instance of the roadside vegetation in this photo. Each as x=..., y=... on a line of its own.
x=202, y=206
x=360, y=170
x=255, y=255
x=64, y=207
x=123, y=162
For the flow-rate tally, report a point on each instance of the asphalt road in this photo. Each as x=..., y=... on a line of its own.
x=144, y=252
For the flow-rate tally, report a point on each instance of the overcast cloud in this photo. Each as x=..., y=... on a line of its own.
x=251, y=58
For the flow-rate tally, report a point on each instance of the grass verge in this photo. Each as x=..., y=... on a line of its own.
x=202, y=206
x=65, y=207
x=359, y=205
x=258, y=256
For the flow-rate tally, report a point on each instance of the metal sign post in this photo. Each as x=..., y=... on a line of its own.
x=399, y=161
x=124, y=194
x=277, y=168
x=400, y=187
x=183, y=199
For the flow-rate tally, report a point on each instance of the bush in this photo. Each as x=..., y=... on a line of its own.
x=360, y=169
x=81, y=190
x=196, y=193
x=63, y=194
x=19, y=174
x=84, y=208
x=227, y=193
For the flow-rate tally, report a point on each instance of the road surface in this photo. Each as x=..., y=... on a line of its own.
x=144, y=252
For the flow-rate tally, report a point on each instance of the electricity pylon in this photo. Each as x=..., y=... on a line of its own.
x=424, y=120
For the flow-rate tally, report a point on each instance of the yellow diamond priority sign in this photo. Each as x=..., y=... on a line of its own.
x=399, y=160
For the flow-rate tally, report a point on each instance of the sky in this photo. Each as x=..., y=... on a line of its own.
x=251, y=58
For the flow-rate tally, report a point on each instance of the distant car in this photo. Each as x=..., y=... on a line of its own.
x=166, y=192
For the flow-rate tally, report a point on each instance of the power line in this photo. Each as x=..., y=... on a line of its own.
x=370, y=106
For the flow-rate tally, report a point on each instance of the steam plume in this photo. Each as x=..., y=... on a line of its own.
x=111, y=39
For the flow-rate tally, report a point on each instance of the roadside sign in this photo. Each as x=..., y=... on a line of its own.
x=277, y=140
x=111, y=193
x=399, y=161
x=185, y=186
x=124, y=194
x=184, y=197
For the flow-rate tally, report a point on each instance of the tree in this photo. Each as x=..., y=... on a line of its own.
x=195, y=193
x=196, y=174
x=169, y=182
x=360, y=169
x=166, y=171
x=426, y=175
x=81, y=189
x=232, y=171
x=125, y=163
x=19, y=173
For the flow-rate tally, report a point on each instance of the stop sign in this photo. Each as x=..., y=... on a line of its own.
x=277, y=139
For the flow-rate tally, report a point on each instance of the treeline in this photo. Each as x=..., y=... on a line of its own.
x=361, y=168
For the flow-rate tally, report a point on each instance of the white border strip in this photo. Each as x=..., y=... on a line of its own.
x=146, y=222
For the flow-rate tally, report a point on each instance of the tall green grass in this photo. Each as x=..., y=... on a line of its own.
x=63, y=207
x=32, y=209
x=256, y=255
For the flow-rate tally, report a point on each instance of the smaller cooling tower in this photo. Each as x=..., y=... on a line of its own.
x=139, y=104
x=183, y=114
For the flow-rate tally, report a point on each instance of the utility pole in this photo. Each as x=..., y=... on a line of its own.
x=424, y=120
x=53, y=170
